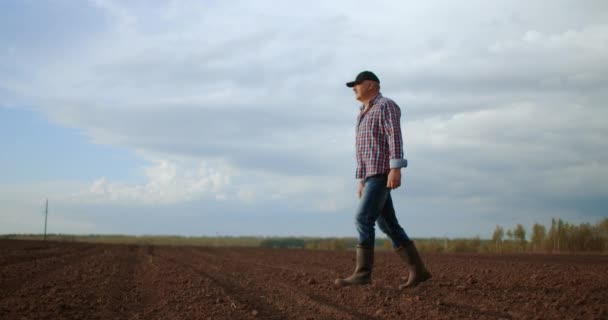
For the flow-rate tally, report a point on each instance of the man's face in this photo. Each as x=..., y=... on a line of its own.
x=363, y=90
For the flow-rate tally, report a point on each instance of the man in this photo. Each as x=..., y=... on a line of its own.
x=379, y=163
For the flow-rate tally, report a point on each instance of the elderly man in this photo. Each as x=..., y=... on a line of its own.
x=379, y=163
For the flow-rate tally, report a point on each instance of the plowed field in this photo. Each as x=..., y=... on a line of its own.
x=52, y=280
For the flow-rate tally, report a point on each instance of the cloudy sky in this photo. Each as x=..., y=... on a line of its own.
x=232, y=117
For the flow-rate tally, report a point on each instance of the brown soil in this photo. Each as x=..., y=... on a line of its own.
x=52, y=280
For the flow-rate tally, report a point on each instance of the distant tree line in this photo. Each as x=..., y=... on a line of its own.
x=282, y=243
x=309, y=243
x=561, y=237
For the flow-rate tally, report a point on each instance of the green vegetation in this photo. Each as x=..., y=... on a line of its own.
x=561, y=237
x=146, y=239
x=283, y=243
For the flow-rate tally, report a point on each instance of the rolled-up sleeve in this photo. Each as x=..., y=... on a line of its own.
x=391, y=122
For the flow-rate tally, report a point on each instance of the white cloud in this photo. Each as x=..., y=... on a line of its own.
x=173, y=182
x=166, y=183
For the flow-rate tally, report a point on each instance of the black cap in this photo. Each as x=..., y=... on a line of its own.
x=365, y=75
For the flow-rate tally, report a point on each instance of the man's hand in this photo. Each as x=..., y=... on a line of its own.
x=394, y=179
x=360, y=192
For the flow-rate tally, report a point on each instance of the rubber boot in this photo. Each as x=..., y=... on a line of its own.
x=363, y=269
x=418, y=272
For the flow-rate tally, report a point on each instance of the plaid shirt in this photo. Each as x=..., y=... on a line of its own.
x=379, y=142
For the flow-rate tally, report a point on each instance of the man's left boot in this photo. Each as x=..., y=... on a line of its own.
x=417, y=271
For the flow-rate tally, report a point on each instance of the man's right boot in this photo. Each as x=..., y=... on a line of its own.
x=417, y=271
x=363, y=269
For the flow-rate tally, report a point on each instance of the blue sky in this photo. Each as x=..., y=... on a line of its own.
x=205, y=118
x=37, y=150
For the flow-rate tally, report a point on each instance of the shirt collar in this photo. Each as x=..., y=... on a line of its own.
x=372, y=101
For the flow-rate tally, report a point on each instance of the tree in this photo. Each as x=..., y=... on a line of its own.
x=552, y=236
x=562, y=234
x=603, y=232
x=603, y=225
x=520, y=234
x=557, y=234
x=497, y=236
x=538, y=236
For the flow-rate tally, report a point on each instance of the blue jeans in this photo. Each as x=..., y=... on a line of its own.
x=376, y=205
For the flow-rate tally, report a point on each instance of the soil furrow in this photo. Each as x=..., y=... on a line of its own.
x=14, y=276
x=169, y=291
x=119, y=296
x=246, y=302
x=49, y=288
x=172, y=282
x=26, y=257
x=300, y=294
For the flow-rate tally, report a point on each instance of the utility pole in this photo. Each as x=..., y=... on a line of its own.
x=46, y=214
